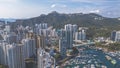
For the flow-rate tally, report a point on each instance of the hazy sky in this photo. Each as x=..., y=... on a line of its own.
x=32, y=8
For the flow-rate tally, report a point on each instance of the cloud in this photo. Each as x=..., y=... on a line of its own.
x=58, y=6
x=95, y=0
x=14, y=8
x=8, y=1
x=53, y=5
x=95, y=11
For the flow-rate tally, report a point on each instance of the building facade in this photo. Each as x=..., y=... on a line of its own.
x=62, y=47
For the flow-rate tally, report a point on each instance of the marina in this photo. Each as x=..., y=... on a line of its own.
x=89, y=57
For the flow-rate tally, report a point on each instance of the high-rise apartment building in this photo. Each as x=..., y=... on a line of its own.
x=62, y=47
x=69, y=38
x=80, y=35
x=115, y=36
x=15, y=57
x=70, y=34
x=44, y=59
x=40, y=41
x=3, y=53
x=41, y=29
x=29, y=49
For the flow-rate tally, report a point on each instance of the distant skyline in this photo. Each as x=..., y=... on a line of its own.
x=32, y=8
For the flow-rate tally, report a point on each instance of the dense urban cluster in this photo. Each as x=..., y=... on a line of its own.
x=43, y=46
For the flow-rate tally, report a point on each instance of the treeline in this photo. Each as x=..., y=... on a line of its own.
x=109, y=47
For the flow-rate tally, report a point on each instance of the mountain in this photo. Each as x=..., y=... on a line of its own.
x=98, y=25
x=7, y=19
x=59, y=19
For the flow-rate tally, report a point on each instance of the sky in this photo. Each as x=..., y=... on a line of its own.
x=32, y=8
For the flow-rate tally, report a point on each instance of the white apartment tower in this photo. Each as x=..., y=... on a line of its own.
x=28, y=47
x=15, y=57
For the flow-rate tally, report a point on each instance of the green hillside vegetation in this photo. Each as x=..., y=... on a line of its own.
x=110, y=47
x=99, y=26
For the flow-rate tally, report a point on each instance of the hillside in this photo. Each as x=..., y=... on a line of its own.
x=95, y=22
x=57, y=20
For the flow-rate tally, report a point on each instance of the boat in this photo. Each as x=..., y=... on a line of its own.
x=113, y=61
x=108, y=57
x=92, y=66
